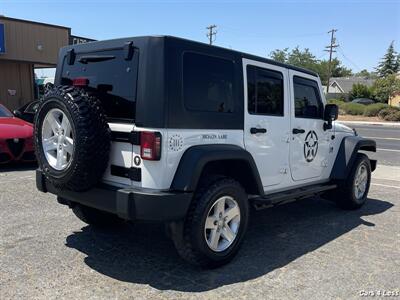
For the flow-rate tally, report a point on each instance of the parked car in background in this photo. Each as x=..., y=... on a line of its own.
x=364, y=101
x=27, y=112
x=16, y=142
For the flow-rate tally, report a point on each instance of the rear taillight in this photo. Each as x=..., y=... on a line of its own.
x=80, y=81
x=150, y=145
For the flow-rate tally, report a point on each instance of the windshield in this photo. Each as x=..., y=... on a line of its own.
x=4, y=112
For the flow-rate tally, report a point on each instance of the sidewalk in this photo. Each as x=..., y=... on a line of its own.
x=390, y=124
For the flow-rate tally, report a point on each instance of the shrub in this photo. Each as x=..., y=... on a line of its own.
x=360, y=91
x=338, y=102
x=373, y=109
x=387, y=111
x=394, y=116
x=353, y=108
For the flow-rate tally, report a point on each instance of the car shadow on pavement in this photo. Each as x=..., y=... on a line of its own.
x=143, y=254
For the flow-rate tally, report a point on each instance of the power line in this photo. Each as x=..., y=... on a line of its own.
x=321, y=56
x=348, y=59
x=248, y=34
x=331, y=49
x=212, y=35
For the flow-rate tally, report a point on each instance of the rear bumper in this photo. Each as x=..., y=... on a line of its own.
x=127, y=203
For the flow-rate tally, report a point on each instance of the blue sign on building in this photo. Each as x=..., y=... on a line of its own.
x=2, y=39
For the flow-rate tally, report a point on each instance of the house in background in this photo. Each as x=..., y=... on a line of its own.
x=340, y=87
x=395, y=100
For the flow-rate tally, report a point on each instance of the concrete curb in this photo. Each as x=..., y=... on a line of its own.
x=388, y=124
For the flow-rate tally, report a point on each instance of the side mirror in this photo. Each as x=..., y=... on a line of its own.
x=331, y=113
x=16, y=113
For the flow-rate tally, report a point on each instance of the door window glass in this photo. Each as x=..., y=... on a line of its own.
x=265, y=91
x=307, y=101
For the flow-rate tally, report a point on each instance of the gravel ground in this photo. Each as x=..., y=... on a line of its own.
x=304, y=250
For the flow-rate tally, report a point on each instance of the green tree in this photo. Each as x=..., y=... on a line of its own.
x=363, y=73
x=337, y=70
x=360, y=91
x=302, y=58
x=389, y=63
x=305, y=59
x=398, y=62
x=385, y=87
x=366, y=74
x=280, y=55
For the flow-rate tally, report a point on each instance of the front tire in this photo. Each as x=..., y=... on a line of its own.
x=353, y=193
x=213, y=230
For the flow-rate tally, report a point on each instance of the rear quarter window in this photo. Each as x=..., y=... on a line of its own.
x=112, y=80
x=208, y=83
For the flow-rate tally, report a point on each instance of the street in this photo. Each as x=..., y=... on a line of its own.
x=387, y=141
x=308, y=249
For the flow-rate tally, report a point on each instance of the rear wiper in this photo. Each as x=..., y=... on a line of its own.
x=95, y=58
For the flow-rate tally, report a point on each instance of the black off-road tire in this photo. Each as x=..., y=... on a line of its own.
x=91, y=138
x=344, y=195
x=95, y=217
x=188, y=236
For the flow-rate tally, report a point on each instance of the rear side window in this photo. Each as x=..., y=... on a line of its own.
x=307, y=101
x=112, y=78
x=265, y=91
x=208, y=83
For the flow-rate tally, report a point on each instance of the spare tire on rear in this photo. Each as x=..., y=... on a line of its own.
x=72, y=138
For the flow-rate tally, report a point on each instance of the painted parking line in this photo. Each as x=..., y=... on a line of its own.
x=384, y=149
x=382, y=138
x=386, y=185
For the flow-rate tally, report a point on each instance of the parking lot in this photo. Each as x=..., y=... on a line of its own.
x=308, y=249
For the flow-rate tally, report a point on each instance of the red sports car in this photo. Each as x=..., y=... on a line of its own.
x=16, y=138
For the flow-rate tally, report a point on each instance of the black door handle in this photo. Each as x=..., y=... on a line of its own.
x=297, y=131
x=254, y=130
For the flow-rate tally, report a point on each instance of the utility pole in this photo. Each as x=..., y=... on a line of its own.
x=212, y=35
x=331, y=50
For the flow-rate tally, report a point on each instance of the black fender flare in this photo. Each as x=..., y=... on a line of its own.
x=197, y=157
x=347, y=154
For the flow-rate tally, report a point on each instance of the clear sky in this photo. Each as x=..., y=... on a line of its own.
x=365, y=28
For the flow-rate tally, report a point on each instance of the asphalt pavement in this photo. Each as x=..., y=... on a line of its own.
x=308, y=249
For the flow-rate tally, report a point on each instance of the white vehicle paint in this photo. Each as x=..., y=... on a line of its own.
x=280, y=155
x=308, y=150
x=198, y=134
x=270, y=150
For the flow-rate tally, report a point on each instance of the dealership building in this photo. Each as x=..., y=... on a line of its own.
x=24, y=47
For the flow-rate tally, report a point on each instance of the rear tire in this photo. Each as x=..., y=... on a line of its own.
x=95, y=217
x=353, y=192
x=215, y=225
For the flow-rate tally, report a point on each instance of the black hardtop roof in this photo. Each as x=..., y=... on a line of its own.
x=118, y=42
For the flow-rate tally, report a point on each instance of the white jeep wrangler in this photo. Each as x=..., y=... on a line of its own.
x=171, y=130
